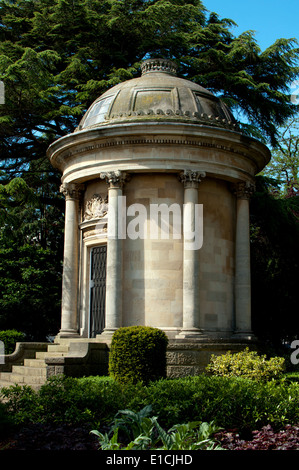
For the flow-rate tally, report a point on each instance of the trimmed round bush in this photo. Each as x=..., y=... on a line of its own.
x=138, y=354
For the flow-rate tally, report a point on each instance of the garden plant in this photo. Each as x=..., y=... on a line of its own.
x=204, y=411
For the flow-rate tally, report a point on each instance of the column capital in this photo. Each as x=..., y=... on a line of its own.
x=191, y=178
x=115, y=179
x=72, y=190
x=243, y=189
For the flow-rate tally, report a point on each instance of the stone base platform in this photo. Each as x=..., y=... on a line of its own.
x=32, y=364
x=191, y=357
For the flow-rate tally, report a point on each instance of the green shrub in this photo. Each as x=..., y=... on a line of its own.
x=246, y=364
x=21, y=403
x=66, y=400
x=292, y=377
x=10, y=338
x=87, y=399
x=6, y=421
x=138, y=354
x=230, y=402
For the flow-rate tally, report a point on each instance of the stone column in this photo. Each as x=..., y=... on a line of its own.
x=70, y=277
x=243, y=192
x=115, y=180
x=191, y=180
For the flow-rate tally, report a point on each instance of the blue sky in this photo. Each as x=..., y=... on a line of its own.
x=271, y=19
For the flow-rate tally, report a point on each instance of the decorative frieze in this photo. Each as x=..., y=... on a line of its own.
x=159, y=65
x=173, y=115
x=104, y=144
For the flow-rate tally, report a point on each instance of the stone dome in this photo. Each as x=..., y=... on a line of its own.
x=158, y=95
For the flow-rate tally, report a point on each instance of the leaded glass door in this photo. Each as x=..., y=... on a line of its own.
x=97, y=290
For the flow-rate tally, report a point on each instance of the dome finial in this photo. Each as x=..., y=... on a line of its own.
x=158, y=65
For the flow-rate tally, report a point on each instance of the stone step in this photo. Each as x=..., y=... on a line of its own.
x=35, y=363
x=8, y=383
x=28, y=380
x=5, y=377
x=53, y=347
x=32, y=371
x=11, y=378
x=42, y=355
x=5, y=383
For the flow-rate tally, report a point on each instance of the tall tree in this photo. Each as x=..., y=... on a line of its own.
x=274, y=263
x=284, y=165
x=31, y=241
x=58, y=56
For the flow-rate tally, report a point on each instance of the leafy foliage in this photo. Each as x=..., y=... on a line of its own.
x=284, y=165
x=30, y=291
x=10, y=338
x=147, y=434
x=248, y=364
x=265, y=439
x=57, y=57
x=230, y=402
x=274, y=264
x=31, y=244
x=138, y=354
x=6, y=422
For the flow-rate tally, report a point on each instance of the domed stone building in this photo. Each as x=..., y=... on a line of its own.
x=157, y=179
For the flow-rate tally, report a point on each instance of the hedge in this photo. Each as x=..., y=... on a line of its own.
x=138, y=354
x=10, y=338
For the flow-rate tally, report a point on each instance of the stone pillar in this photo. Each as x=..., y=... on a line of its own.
x=243, y=192
x=191, y=180
x=115, y=180
x=70, y=277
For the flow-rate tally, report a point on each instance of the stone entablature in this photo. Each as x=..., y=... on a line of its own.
x=224, y=154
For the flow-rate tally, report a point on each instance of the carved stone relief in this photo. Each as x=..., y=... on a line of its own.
x=96, y=208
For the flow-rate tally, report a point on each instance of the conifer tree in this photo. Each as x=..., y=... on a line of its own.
x=57, y=57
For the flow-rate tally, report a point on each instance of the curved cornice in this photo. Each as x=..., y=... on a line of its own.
x=75, y=148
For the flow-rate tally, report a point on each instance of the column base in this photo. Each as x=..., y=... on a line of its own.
x=244, y=335
x=107, y=334
x=190, y=333
x=68, y=333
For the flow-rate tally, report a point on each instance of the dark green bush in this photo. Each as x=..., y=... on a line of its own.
x=6, y=421
x=228, y=402
x=66, y=400
x=10, y=338
x=75, y=400
x=138, y=354
x=21, y=403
